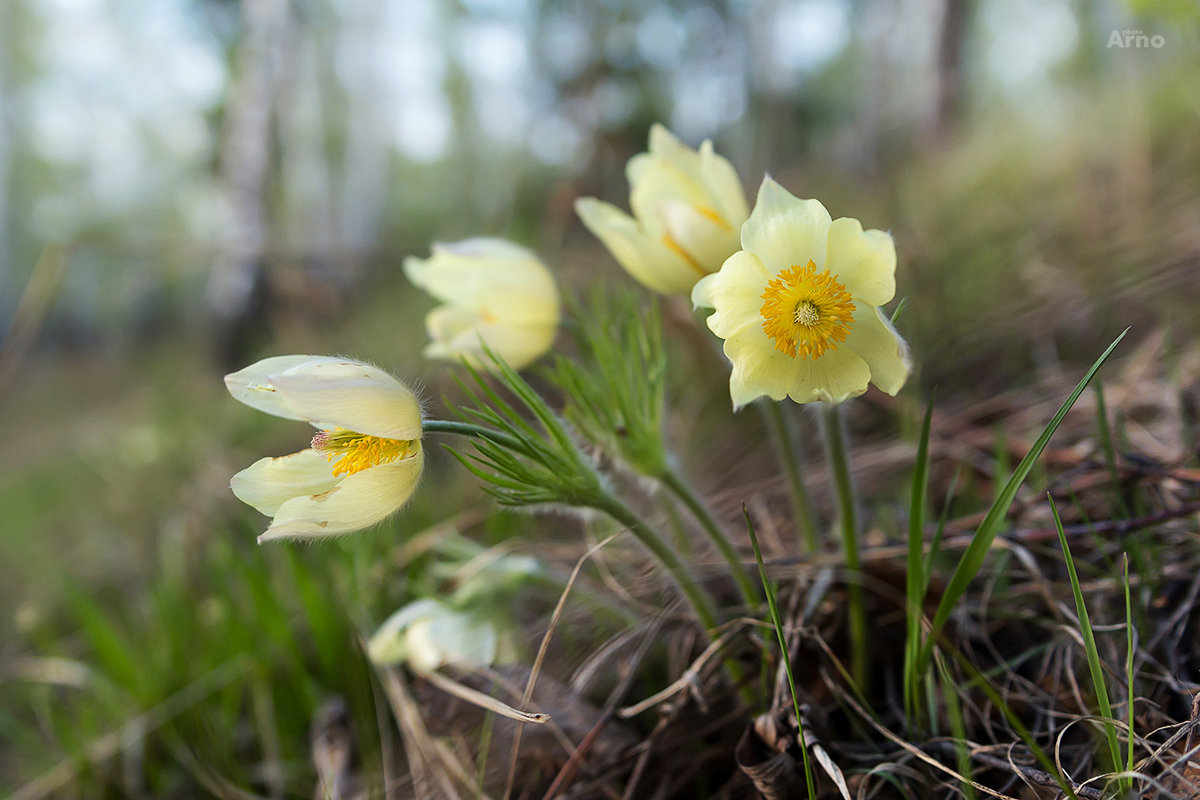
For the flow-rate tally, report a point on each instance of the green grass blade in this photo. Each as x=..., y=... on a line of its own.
x=1110, y=451
x=1128, y=671
x=958, y=726
x=783, y=648
x=1089, y=644
x=916, y=579
x=977, y=678
x=972, y=559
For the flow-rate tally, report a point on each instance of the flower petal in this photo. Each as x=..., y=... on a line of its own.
x=785, y=231
x=358, y=501
x=252, y=385
x=760, y=369
x=270, y=482
x=724, y=185
x=873, y=337
x=352, y=395
x=387, y=644
x=707, y=239
x=482, y=272
x=453, y=637
x=643, y=256
x=863, y=261
x=735, y=292
x=518, y=344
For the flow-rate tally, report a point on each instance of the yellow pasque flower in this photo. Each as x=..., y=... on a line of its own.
x=687, y=209
x=427, y=634
x=798, y=306
x=494, y=293
x=365, y=460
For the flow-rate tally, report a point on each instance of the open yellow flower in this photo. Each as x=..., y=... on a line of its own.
x=798, y=306
x=494, y=293
x=364, y=463
x=687, y=209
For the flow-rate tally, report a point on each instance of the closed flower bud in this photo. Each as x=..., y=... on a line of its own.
x=688, y=207
x=428, y=634
x=493, y=293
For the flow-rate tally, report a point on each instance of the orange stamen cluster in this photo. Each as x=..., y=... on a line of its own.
x=806, y=313
x=352, y=452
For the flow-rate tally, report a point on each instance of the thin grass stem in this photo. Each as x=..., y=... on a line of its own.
x=1129, y=696
x=672, y=480
x=917, y=579
x=839, y=466
x=700, y=601
x=781, y=434
x=777, y=622
x=1095, y=667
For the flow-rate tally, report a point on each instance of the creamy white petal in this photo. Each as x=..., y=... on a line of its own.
x=518, y=344
x=735, y=292
x=358, y=501
x=509, y=302
x=469, y=272
x=863, y=261
x=388, y=645
x=252, y=385
x=785, y=231
x=646, y=258
x=760, y=369
x=836, y=376
x=663, y=142
x=270, y=482
x=427, y=634
x=352, y=395
x=724, y=185
x=654, y=180
x=446, y=323
x=450, y=637
x=873, y=337
x=709, y=240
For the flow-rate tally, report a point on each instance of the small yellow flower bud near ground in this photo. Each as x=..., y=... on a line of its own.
x=798, y=306
x=493, y=293
x=427, y=634
x=688, y=208
x=365, y=460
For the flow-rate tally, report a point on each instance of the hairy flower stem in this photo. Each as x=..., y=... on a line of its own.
x=839, y=467
x=470, y=429
x=672, y=480
x=601, y=500
x=623, y=514
x=701, y=602
x=781, y=435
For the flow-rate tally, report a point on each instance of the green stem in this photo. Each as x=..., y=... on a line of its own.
x=700, y=511
x=470, y=429
x=701, y=602
x=781, y=434
x=603, y=501
x=839, y=466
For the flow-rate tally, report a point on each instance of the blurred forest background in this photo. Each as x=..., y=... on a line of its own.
x=189, y=185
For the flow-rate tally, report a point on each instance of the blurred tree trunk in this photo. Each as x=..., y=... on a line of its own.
x=8, y=283
x=948, y=100
x=235, y=285
x=365, y=154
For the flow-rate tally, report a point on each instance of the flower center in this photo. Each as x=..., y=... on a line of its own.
x=806, y=313
x=352, y=452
